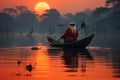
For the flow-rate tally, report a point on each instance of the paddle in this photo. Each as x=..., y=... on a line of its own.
x=80, y=28
x=83, y=25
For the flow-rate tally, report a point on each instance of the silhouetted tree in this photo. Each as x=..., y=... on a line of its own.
x=10, y=11
x=113, y=2
x=81, y=17
x=100, y=10
x=49, y=20
x=22, y=9
x=25, y=21
x=6, y=23
x=69, y=17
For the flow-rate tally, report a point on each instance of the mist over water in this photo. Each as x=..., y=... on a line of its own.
x=100, y=40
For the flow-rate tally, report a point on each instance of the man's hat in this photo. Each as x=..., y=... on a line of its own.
x=72, y=23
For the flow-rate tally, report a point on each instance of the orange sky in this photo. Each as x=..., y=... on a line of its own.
x=64, y=6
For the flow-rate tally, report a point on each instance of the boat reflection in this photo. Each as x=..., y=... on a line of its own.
x=59, y=64
x=73, y=59
x=54, y=52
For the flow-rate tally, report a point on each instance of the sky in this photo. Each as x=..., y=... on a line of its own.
x=63, y=6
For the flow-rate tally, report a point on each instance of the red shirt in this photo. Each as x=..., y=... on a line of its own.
x=69, y=35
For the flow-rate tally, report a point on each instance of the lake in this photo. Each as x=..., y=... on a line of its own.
x=97, y=62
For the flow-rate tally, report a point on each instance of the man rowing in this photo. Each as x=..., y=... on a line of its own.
x=70, y=34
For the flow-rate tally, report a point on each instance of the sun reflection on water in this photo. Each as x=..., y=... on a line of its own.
x=57, y=64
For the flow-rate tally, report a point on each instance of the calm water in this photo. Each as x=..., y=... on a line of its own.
x=57, y=64
x=95, y=63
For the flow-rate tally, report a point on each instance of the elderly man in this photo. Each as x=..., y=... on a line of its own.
x=70, y=34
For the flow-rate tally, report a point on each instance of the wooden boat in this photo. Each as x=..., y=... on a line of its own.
x=80, y=44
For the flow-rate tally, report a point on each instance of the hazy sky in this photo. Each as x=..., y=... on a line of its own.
x=64, y=6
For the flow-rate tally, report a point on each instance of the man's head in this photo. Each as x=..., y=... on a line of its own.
x=72, y=24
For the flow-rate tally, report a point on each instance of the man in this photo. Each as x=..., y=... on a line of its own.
x=71, y=33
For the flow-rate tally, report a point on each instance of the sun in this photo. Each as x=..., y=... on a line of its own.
x=41, y=7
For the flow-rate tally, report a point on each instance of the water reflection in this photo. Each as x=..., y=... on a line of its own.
x=60, y=64
x=70, y=58
x=18, y=62
x=74, y=59
x=54, y=52
x=115, y=63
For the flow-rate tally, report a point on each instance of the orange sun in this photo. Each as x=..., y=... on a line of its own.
x=41, y=7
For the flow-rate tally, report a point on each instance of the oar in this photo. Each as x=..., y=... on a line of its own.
x=85, y=29
x=80, y=28
x=83, y=25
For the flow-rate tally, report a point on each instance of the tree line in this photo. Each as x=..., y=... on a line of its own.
x=100, y=20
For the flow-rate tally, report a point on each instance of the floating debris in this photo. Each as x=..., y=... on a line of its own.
x=29, y=67
x=35, y=48
x=18, y=74
x=18, y=62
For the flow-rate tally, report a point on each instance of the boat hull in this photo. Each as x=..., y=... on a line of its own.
x=78, y=44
